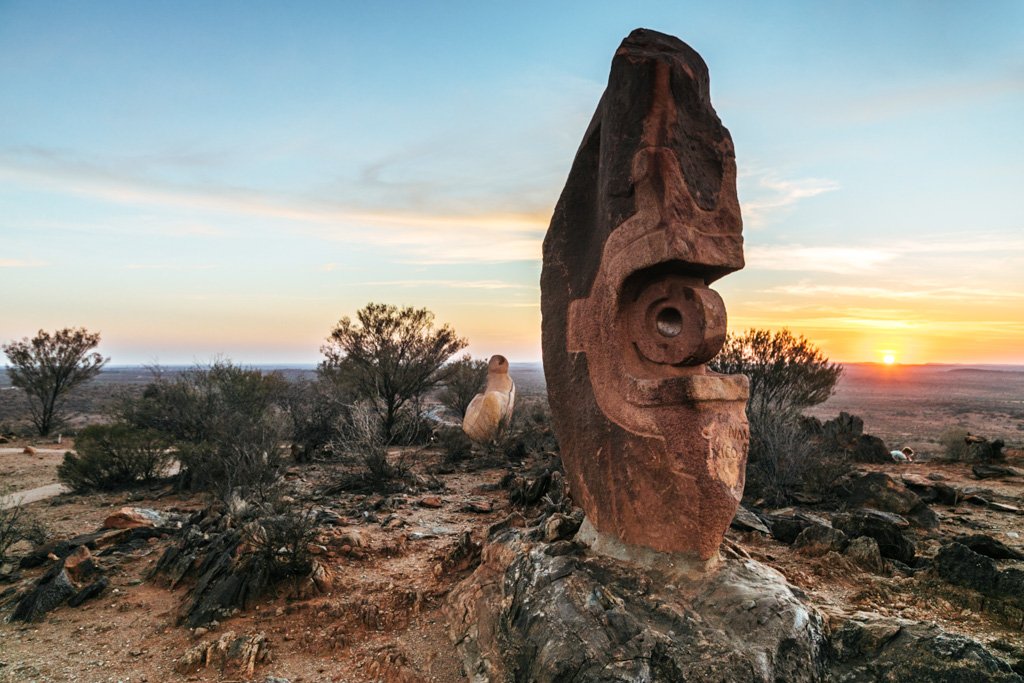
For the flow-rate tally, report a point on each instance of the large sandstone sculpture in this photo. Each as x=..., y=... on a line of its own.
x=654, y=444
x=492, y=408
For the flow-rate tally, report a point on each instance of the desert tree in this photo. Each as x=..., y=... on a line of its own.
x=389, y=356
x=787, y=372
x=48, y=366
x=466, y=378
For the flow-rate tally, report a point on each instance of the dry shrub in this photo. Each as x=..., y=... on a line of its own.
x=16, y=525
x=113, y=456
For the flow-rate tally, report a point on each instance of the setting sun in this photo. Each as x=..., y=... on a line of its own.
x=888, y=359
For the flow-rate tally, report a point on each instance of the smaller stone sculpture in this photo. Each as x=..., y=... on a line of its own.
x=492, y=408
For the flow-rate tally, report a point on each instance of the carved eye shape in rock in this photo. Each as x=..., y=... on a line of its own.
x=673, y=319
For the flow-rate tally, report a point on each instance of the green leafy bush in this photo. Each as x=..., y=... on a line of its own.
x=113, y=456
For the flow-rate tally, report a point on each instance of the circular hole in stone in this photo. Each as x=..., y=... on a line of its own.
x=669, y=322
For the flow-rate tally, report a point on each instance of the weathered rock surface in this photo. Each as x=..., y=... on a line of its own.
x=67, y=581
x=845, y=433
x=654, y=445
x=817, y=540
x=989, y=471
x=879, y=491
x=891, y=541
x=492, y=408
x=869, y=648
x=229, y=652
x=961, y=566
x=989, y=547
x=554, y=612
x=131, y=518
x=863, y=551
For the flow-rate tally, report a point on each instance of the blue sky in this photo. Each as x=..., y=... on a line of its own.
x=196, y=178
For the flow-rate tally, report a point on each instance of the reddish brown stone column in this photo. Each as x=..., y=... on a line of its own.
x=654, y=444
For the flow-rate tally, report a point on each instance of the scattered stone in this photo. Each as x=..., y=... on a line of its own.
x=845, y=433
x=478, y=506
x=229, y=652
x=525, y=614
x=787, y=525
x=131, y=518
x=877, y=490
x=745, y=520
x=817, y=540
x=990, y=471
x=891, y=541
x=430, y=502
x=863, y=551
x=560, y=527
x=1003, y=507
x=989, y=547
x=961, y=566
x=871, y=648
x=933, y=491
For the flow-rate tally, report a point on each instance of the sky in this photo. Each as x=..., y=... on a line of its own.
x=195, y=179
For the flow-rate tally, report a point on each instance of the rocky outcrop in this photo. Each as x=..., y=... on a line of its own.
x=879, y=491
x=891, y=541
x=556, y=612
x=961, y=566
x=71, y=580
x=845, y=434
x=868, y=648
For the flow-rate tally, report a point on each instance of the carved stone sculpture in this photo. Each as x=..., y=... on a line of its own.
x=492, y=408
x=654, y=444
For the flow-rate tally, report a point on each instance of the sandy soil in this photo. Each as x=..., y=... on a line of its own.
x=383, y=617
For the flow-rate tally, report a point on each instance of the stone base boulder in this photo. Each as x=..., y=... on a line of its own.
x=559, y=612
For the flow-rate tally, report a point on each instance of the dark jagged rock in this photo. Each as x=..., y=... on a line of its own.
x=845, y=434
x=891, y=541
x=91, y=591
x=870, y=648
x=530, y=615
x=879, y=491
x=863, y=551
x=933, y=490
x=961, y=566
x=786, y=527
x=818, y=540
x=52, y=590
x=745, y=520
x=989, y=471
x=989, y=547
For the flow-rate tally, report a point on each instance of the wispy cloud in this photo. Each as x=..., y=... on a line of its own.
x=168, y=266
x=455, y=284
x=842, y=260
x=18, y=263
x=910, y=99
x=773, y=196
x=896, y=293
x=424, y=237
